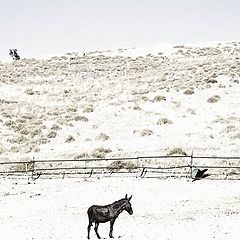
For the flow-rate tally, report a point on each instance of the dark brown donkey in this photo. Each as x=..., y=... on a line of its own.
x=102, y=214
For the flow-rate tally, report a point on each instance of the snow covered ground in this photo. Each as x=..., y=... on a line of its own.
x=163, y=209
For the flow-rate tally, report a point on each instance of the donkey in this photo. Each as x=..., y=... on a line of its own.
x=102, y=214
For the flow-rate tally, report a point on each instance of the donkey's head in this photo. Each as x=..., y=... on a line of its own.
x=128, y=206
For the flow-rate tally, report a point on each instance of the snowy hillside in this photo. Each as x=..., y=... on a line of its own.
x=139, y=101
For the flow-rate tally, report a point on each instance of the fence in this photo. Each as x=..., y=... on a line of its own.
x=146, y=166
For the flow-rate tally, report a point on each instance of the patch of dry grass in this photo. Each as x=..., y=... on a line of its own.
x=88, y=109
x=81, y=118
x=159, y=98
x=100, y=152
x=52, y=134
x=118, y=165
x=214, y=99
x=102, y=137
x=177, y=151
x=164, y=121
x=55, y=127
x=188, y=92
x=69, y=139
x=81, y=156
x=144, y=132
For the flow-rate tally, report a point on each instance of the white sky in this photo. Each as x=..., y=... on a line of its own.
x=41, y=27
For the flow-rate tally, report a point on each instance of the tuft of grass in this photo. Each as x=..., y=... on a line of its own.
x=146, y=132
x=102, y=137
x=159, y=98
x=71, y=109
x=229, y=129
x=236, y=136
x=177, y=151
x=52, y=134
x=136, y=108
x=117, y=165
x=163, y=121
x=55, y=127
x=211, y=80
x=82, y=155
x=214, y=99
x=188, y=92
x=100, y=152
x=15, y=149
x=29, y=91
x=69, y=139
x=35, y=132
x=9, y=123
x=81, y=118
x=88, y=109
x=191, y=111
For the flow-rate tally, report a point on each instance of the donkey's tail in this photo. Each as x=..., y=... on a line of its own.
x=90, y=212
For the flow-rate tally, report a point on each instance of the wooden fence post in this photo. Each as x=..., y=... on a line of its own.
x=191, y=165
x=33, y=165
x=85, y=168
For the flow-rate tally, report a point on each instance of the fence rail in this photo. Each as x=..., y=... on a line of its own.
x=141, y=166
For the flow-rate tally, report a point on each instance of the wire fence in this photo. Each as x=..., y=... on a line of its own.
x=143, y=167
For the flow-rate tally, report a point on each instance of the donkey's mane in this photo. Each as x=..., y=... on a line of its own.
x=118, y=203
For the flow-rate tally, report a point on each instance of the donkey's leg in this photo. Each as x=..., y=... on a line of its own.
x=112, y=221
x=89, y=227
x=96, y=229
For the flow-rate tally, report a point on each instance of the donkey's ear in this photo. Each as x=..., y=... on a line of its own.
x=126, y=196
x=130, y=198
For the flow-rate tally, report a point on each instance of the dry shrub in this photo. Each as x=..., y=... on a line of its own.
x=52, y=134
x=53, y=113
x=176, y=104
x=35, y=132
x=102, y=137
x=117, y=165
x=19, y=140
x=192, y=111
x=15, y=149
x=55, y=127
x=9, y=123
x=19, y=127
x=177, y=151
x=71, y=109
x=146, y=132
x=163, y=121
x=214, y=99
x=28, y=116
x=136, y=108
x=88, y=109
x=69, y=139
x=29, y=91
x=81, y=118
x=25, y=131
x=41, y=140
x=100, y=152
x=2, y=150
x=159, y=98
x=188, y=92
x=82, y=155
x=141, y=98
x=211, y=80
x=20, y=120
x=230, y=128
x=236, y=136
